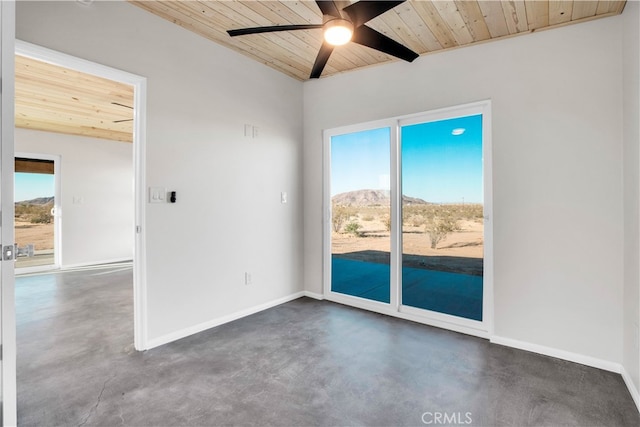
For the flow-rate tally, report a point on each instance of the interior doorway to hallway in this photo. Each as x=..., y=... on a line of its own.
x=122, y=114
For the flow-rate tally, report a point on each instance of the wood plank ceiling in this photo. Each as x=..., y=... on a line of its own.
x=56, y=99
x=422, y=25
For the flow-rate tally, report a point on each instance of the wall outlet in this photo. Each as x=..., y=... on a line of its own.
x=248, y=280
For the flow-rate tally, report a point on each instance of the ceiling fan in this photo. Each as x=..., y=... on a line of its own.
x=342, y=26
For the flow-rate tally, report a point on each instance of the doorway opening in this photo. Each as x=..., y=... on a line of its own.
x=121, y=113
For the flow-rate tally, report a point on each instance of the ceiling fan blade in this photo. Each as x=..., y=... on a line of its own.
x=271, y=29
x=328, y=7
x=371, y=38
x=365, y=10
x=121, y=105
x=321, y=60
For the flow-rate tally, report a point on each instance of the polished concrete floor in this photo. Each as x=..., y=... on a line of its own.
x=304, y=363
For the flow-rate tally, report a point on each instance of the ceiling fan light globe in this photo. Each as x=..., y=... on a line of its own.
x=338, y=32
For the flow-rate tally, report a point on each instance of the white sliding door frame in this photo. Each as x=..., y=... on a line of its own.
x=57, y=217
x=395, y=308
x=363, y=303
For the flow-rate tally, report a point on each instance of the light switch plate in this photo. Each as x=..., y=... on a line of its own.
x=157, y=195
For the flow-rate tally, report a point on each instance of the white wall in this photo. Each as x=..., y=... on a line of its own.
x=228, y=218
x=557, y=139
x=557, y=143
x=631, y=155
x=96, y=194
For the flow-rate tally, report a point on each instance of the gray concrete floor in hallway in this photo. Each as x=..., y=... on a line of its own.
x=303, y=363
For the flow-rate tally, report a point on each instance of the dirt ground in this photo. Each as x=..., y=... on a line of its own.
x=460, y=251
x=41, y=235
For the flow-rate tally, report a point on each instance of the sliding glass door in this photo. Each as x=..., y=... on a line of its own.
x=37, y=227
x=360, y=214
x=442, y=216
x=407, y=224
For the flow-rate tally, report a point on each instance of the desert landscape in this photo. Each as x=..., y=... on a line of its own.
x=444, y=237
x=40, y=235
x=34, y=223
x=360, y=230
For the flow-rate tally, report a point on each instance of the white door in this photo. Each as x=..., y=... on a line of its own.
x=7, y=305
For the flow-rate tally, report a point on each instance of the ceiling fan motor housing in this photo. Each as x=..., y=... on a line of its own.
x=338, y=31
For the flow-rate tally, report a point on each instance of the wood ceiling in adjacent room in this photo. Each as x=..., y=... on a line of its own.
x=56, y=99
x=422, y=25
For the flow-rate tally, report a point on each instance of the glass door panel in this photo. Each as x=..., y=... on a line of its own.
x=442, y=216
x=360, y=214
x=34, y=212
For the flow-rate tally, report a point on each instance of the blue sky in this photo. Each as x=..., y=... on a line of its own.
x=33, y=185
x=360, y=161
x=437, y=166
x=440, y=167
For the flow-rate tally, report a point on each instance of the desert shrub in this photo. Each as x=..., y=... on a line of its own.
x=41, y=218
x=439, y=227
x=34, y=213
x=24, y=211
x=417, y=221
x=340, y=215
x=419, y=215
x=470, y=211
x=386, y=220
x=353, y=228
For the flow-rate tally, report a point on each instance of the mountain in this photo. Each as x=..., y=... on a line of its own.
x=406, y=200
x=371, y=198
x=38, y=201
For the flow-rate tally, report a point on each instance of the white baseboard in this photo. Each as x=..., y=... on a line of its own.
x=20, y=271
x=576, y=358
x=631, y=386
x=44, y=269
x=313, y=295
x=95, y=263
x=560, y=354
x=174, y=336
